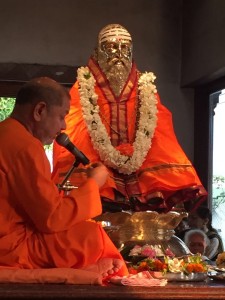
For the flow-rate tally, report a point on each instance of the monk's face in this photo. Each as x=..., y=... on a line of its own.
x=51, y=121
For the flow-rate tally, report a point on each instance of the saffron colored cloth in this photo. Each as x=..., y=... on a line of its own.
x=54, y=275
x=166, y=173
x=39, y=227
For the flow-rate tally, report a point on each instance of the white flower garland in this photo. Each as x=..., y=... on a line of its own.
x=98, y=133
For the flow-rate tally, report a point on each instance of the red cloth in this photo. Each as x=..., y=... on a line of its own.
x=166, y=173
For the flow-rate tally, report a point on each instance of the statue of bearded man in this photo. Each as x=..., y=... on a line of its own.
x=116, y=117
x=114, y=55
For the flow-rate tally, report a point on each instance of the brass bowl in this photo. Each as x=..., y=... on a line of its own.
x=140, y=223
x=145, y=227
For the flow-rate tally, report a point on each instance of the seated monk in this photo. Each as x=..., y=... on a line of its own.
x=116, y=116
x=40, y=227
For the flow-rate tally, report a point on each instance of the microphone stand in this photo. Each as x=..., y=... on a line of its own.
x=75, y=164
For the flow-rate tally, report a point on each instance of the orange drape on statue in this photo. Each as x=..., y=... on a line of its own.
x=166, y=169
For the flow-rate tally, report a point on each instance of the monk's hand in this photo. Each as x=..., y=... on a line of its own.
x=98, y=172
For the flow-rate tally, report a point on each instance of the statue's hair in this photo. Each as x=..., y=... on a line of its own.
x=112, y=30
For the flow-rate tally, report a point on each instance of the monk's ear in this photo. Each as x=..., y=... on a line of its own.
x=39, y=110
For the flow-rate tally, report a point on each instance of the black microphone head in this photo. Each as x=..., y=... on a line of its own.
x=62, y=139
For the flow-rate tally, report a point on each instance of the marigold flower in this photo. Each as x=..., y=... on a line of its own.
x=132, y=271
x=126, y=149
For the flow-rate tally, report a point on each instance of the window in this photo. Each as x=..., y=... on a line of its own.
x=6, y=107
x=217, y=101
x=208, y=142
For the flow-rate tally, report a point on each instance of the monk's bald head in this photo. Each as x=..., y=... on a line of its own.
x=41, y=106
x=41, y=89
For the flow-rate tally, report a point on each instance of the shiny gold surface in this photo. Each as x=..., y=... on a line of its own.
x=114, y=55
x=145, y=227
x=147, y=219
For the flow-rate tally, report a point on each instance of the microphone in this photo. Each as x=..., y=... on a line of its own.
x=63, y=140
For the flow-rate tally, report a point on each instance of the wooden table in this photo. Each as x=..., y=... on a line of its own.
x=209, y=289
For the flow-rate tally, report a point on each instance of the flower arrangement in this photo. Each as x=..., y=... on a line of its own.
x=124, y=161
x=187, y=265
x=162, y=260
x=150, y=251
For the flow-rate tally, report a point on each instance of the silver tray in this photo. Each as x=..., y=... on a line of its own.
x=184, y=277
x=217, y=275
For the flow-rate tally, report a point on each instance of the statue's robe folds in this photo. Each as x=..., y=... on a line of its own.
x=166, y=178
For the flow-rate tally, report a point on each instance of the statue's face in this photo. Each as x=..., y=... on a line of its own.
x=117, y=51
x=115, y=54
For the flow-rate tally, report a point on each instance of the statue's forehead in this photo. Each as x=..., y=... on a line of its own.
x=114, y=33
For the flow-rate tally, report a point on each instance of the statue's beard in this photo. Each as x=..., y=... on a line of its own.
x=117, y=72
x=117, y=77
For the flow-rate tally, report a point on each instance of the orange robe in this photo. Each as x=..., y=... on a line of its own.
x=40, y=228
x=166, y=175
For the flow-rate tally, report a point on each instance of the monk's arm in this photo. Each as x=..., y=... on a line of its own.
x=38, y=198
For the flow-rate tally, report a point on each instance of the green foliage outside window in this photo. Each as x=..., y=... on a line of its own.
x=6, y=107
x=218, y=191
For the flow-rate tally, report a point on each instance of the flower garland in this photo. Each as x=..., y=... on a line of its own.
x=101, y=141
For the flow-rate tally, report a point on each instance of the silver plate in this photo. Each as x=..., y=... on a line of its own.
x=184, y=277
x=217, y=275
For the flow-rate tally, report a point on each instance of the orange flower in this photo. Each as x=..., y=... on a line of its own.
x=159, y=266
x=143, y=264
x=190, y=268
x=195, y=268
x=198, y=268
x=143, y=268
x=126, y=149
x=132, y=271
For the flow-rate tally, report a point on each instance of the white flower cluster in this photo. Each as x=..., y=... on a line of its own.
x=175, y=265
x=98, y=133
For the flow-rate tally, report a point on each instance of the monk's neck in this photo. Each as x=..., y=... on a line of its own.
x=23, y=121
